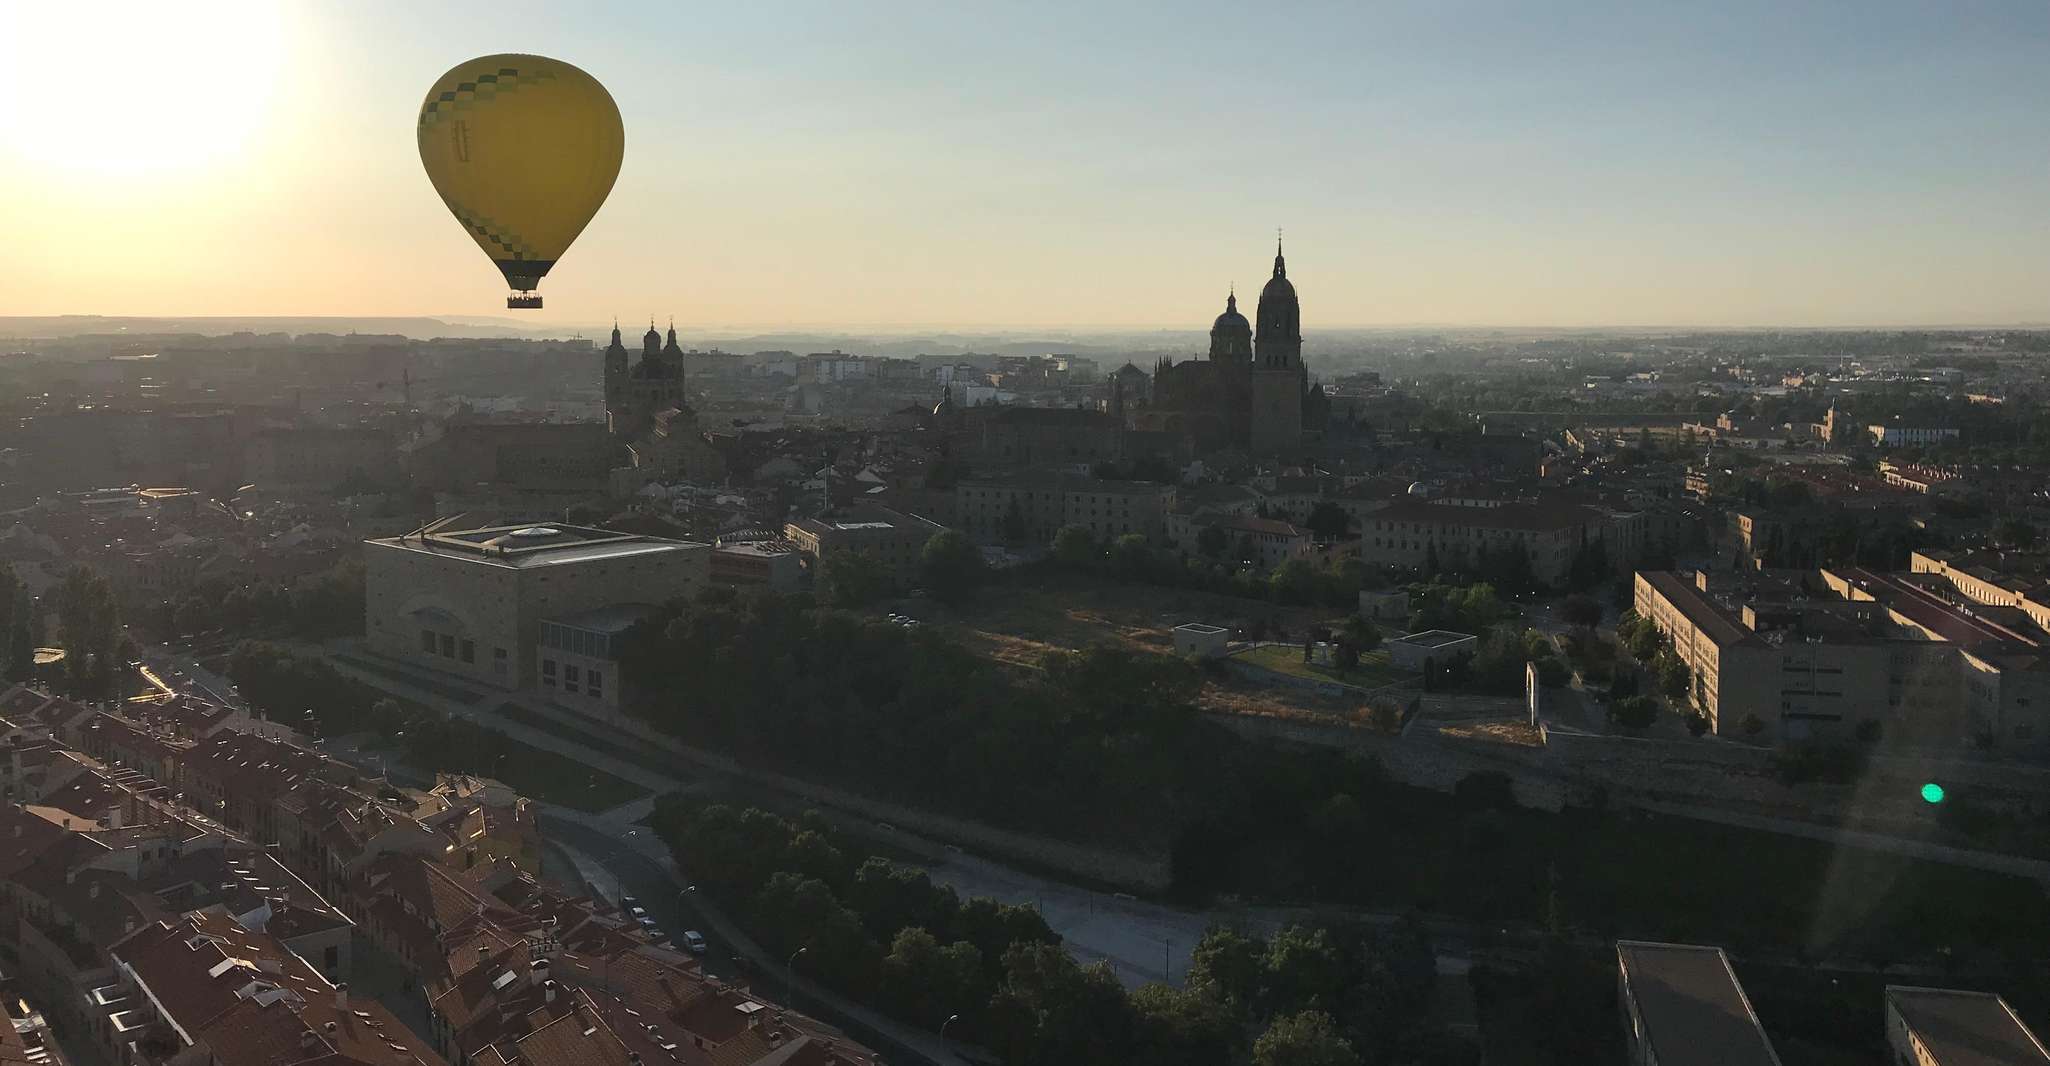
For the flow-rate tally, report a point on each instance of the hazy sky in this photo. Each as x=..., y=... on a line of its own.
x=898, y=164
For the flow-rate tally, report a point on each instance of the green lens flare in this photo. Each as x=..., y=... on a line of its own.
x=1932, y=792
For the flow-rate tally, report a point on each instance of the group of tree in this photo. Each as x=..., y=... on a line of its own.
x=1474, y=608
x=1102, y=738
x=1496, y=667
x=950, y=568
x=306, y=691
x=886, y=935
x=1217, y=566
x=20, y=620
x=96, y=647
x=326, y=603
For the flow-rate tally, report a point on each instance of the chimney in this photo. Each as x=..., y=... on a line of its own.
x=547, y=991
x=483, y=953
x=342, y=995
x=308, y=1040
x=330, y=1027
x=538, y=972
x=94, y=891
x=633, y=1058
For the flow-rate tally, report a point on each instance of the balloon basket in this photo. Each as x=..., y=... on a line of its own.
x=519, y=300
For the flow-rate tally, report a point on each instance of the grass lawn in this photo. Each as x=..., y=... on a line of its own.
x=1373, y=671
x=1019, y=622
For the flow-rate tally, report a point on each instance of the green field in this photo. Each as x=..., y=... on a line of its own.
x=1373, y=671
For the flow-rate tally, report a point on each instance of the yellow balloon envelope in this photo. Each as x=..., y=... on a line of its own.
x=523, y=149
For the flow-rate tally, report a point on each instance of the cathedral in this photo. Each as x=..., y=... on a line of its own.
x=1253, y=394
x=648, y=411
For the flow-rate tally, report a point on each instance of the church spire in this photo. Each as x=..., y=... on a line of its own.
x=1280, y=267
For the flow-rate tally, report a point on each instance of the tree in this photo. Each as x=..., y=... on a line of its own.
x=1053, y=1012
x=1363, y=634
x=90, y=621
x=921, y=980
x=1303, y=970
x=1673, y=676
x=1580, y=610
x=1074, y=546
x=852, y=578
x=951, y=566
x=1212, y=541
x=1015, y=527
x=1306, y=1038
x=1293, y=582
x=1752, y=725
x=2014, y=531
x=1131, y=555
x=1634, y=712
x=1183, y=1027
x=1345, y=656
x=1328, y=521
x=1697, y=723
x=1226, y=964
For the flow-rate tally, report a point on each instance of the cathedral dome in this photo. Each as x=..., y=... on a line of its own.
x=1231, y=321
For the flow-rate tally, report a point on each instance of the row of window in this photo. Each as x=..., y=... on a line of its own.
x=463, y=649
x=573, y=679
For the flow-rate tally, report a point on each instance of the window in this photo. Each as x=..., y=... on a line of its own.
x=427, y=641
x=548, y=672
x=569, y=672
x=498, y=659
x=331, y=958
x=594, y=683
x=469, y=651
x=448, y=646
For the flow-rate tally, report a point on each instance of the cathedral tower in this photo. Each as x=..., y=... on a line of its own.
x=1279, y=377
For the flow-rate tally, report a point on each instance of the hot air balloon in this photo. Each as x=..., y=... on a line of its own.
x=523, y=150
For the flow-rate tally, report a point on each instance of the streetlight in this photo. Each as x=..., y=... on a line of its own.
x=790, y=979
x=951, y=1019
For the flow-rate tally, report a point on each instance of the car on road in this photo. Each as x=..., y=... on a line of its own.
x=695, y=941
x=629, y=904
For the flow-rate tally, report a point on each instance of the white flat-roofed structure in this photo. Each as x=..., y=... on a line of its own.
x=1201, y=641
x=471, y=601
x=1950, y=1027
x=1430, y=649
x=1682, y=1006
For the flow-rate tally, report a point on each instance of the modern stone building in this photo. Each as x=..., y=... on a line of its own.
x=473, y=601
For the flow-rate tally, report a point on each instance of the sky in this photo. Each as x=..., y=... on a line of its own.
x=883, y=164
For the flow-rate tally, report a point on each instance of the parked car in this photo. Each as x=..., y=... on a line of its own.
x=695, y=941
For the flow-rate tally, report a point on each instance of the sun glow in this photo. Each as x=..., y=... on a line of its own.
x=133, y=88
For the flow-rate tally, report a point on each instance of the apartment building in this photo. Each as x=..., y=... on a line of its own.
x=1418, y=531
x=1682, y=1006
x=1948, y=1027
x=1033, y=507
x=1835, y=655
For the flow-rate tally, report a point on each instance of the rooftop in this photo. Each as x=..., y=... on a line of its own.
x=1435, y=638
x=1960, y=1028
x=1694, y=1011
x=521, y=547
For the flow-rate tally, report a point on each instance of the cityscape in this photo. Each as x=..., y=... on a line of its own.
x=1282, y=671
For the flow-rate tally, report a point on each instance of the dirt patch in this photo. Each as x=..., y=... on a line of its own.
x=1519, y=734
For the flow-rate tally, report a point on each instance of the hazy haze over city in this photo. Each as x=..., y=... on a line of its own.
x=918, y=165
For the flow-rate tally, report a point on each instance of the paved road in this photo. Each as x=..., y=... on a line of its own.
x=634, y=861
